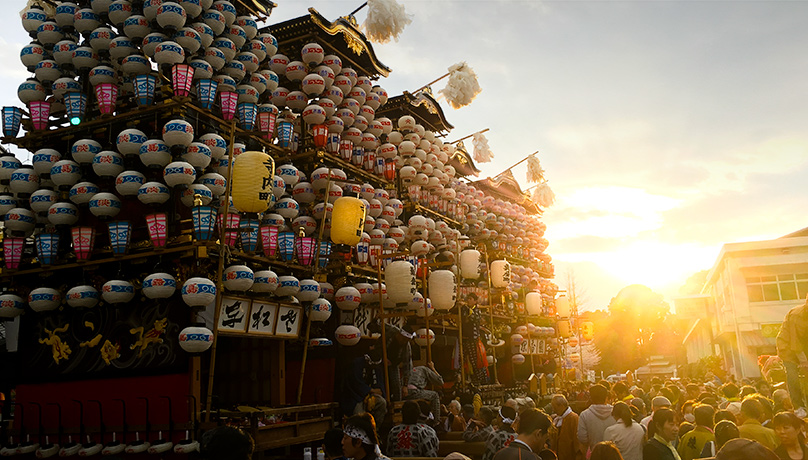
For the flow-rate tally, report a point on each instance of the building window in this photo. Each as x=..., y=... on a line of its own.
x=775, y=288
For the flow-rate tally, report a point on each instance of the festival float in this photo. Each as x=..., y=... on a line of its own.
x=217, y=215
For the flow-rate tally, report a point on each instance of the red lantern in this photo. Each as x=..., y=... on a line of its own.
x=83, y=240
x=40, y=111
x=107, y=95
x=158, y=229
x=12, y=251
x=182, y=76
x=320, y=133
x=304, y=247
x=229, y=100
x=390, y=170
x=346, y=149
x=230, y=231
x=269, y=239
x=267, y=116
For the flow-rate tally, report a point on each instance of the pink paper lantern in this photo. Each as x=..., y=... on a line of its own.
x=40, y=112
x=83, y=241
x=107, y=95
x=182, y=76
x=12, y=251
x=158, y=229
x=229, y=100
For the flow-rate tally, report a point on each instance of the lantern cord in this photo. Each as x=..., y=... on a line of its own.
x=470, y=135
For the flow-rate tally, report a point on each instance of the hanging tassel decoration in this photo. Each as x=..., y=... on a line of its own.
x=386, y=20
x=482, y=152
x=534, y=171
x=543, y=195
x=47, y=7
x=462, y=87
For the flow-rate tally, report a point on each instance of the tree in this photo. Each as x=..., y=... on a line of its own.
x=634, y=330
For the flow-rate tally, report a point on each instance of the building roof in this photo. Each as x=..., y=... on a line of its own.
x=422, y=106
x=462, y=162
x=341, y=37
x=756, y=339
x=506, y=187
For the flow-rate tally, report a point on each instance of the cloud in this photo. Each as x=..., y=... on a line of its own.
x=586, y=244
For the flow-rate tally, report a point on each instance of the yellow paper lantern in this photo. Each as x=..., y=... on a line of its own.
x=252, y=181
x=564, y=329
x=347, y=221
x=587, y=330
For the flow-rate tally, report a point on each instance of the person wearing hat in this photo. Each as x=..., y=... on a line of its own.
x=534, y=431
x=359, y=441
x=792, y=345
x=745, y=449
x=410, y=438
x=659, y=402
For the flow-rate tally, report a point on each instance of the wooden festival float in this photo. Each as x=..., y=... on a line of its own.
x=201, y=193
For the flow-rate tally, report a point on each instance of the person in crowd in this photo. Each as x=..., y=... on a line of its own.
x=724, y=414
x=226, y=442
x=693, y=391
x=768, y=408
x=480, y=429
x=468, y=414
x=399, y=358
x=606, y=450
x=662, y=432
x=419, y=379
x=529, y=444
x=564, y=440
x=725, y=430
x=374, y=404
x=455, y=420
x=659, y=402
x=789, y=430
x=410, y=438
x=747, y=390
x=730, y=392
x=359, y=440
x=637, y=406
x=332, y=444
x=762, y=387
x=782, y=401
x=792, y=344
x=745, y=449
x=626, y=434
x=687, y=411
x=751, y=427
x=513, y=404
x=596, y=418
x=621, y=393
x=504, y=434
x=692, y=443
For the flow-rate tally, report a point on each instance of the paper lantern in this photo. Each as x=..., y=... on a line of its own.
x=82, y=297
x=562, y=305
x=63, y=214
x=230, y=230
x=154, y=153
x=252, y=181
x=424, y=337
x=587, y=331
x=204, y=221
x=248, y=234
x=517, y=339
x=195, y=339
x=564, y=329
x=106, y=94
x=119, y=234
x=44, y=299
x=518, y=359
x=157, y=226
x=117, y=291
x=228, y=101
x=320, y=310
x=500, y=274
x=198, y=292
x=178, y=133
x=179, y=173
x=238, y=278
x=533, y=303
x=153, y=193
x=286, y=245
x=144, y=86
x=348, y=228
x=573, y=342
x=287, y=285
x=75, y=106
x=182, y=76
x=206, y=92
x=40, y=112
x=159, y=286
x=265, y=281
x=247, y=113
x=399, y=276
x=12, y=251
x=83, y=241
x=347, y=298
x=442, y=289
x=348, y=335
x=47, y=247
x=470, y=264
x=305, y=247
x=11, y=305
x=12, y=118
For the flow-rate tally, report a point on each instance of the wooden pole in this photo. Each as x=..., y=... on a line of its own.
x=470, y=135
x=303, y=363
x=518, y=162
x=491, y=313
x=432, y=82
x=460, y=318
x=426, y=313
x=358, y=9
x=384, y=334
x=220, y=270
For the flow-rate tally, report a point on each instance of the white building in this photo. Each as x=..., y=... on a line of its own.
x=744, y=300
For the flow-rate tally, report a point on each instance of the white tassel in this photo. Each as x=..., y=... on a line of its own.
x=534, y=171
x=543, y=195
x=49, y=9
x=462, y=86
x=386, y=20
x=482, y=153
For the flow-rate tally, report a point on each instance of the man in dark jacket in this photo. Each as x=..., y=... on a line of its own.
x=534, y=432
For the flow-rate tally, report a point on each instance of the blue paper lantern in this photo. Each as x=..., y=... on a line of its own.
x=204, y=218
x=144, y=89
x=75, y=106
x=249, y=234
x=47, y=246
x=325, y=251
x=12, y=117
x=119, y=234
x=286, y=245
x=206, y=92
x=247, y=112
x=285, y=134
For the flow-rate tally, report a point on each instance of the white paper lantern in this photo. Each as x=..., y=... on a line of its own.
x=287, y=285
x=348, y=298
x=44, y=299
x=238, y=278
x=309, y=290
x=42, y=200
x=82, y=296
x=500, y=274
x=117, y=291
x=196, y=339
x=198, y=292
x=517, y=339
x=178, y=133
x=153, y=193
x=533, y=303
x=154, y=153
x=265, y=281
x=11, y=305
x=518, y=359
x=423, y=337
x=366, y=291
x=129, y=182
x=327, y=291
x=442, y=289
x=320, y=310
x=348, y=335
x=179, y=173
x=63, y=214
x=20, y=220
x=470, y=264
x=159, y=286
x=105, y=205
x=425, y=308
x=107, y=164
x=562, y=305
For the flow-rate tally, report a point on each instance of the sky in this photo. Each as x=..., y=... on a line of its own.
x=666, y=128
